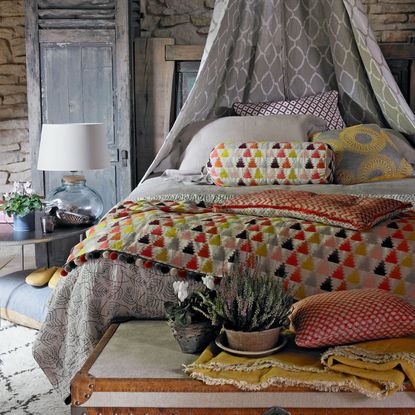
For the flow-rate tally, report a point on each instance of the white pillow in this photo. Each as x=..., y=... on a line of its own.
x=249, y=128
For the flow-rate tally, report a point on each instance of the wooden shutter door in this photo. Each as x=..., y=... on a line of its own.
x=78, y=57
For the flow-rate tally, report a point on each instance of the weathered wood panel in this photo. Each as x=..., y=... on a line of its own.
x=83, y=49
x=184, y=52
x=412, y=87
x=83, y=77
x=186, y=73
x=77, y=14
x=401, y=60
x=33, y=90
x=124, y=67
x=153, y=98
x=76, y=36
x=76, y=24
x=73, y=4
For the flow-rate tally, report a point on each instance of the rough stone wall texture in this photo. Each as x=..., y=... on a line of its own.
x=14, y=142
x=392, y=20
x=188, y=20
x=185, y=20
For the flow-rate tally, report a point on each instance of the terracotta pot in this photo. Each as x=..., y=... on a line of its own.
x=254, y=341
x=194, y=337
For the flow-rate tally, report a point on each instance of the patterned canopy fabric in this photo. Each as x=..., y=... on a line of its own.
x=271, y=50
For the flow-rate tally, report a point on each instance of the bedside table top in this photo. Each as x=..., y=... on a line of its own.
x=9, y=238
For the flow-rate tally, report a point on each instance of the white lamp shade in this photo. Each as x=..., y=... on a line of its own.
x=73, y=147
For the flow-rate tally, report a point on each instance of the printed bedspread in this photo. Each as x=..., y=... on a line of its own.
x=193, y=239
x=125, y=267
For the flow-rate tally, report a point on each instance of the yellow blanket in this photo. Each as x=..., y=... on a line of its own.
x=377, y=368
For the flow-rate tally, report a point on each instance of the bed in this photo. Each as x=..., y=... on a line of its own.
x=101, y=289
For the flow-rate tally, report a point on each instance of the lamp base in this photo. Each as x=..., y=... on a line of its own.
x=74, y=203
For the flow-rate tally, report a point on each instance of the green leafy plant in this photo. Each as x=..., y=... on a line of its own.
x=248, y=301
x=21, y=200
x=189, y=308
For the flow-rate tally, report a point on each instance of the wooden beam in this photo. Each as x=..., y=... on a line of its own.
x=76, y=14
x=33, y=91
x=398, y=50
x=69, y=4
x=76, y=23
x=76, y=36
x=123, y=97
x=412, y=86
x=184, y=52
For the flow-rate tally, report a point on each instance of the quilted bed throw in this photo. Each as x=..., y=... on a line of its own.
x=311, y=257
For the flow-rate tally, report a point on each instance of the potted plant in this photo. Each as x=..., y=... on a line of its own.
x=191, y=328
x=252, y=307
x=22, y=203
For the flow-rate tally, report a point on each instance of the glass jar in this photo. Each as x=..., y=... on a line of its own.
x=74, y=203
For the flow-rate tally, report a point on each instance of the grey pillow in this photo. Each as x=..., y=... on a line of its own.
x=402, y=144
x=249, y=128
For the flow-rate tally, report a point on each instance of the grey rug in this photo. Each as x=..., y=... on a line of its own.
x=24, y=389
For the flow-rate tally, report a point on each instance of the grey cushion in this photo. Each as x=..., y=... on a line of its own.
x=402, y=144
x=249, y=128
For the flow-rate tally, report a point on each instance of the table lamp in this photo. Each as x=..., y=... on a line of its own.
x=73, y=147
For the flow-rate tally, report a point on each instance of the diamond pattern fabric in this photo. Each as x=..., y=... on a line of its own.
x=310, y=257
x=322, y=105
x=343, y=317
x=351, y=212
x=262, y=163
x=281, y=50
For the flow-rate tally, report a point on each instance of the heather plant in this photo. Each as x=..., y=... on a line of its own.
x=248, y=301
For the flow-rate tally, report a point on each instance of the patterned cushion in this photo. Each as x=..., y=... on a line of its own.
x=344, y=317
x=365, y=153
x=267, y=163
x=322, y=105
x=347, y=211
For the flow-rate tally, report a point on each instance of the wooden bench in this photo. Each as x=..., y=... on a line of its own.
x=136, y=369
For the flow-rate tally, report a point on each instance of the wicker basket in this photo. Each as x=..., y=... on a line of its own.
x=72, y=219
x=194, y=337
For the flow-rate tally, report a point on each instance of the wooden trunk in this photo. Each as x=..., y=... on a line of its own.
x=136, y=369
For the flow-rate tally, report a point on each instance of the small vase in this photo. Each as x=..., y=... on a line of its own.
x=255, y=341
x=24, y=223
x=194, y=337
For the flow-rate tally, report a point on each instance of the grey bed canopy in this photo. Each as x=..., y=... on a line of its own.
x=271, y=50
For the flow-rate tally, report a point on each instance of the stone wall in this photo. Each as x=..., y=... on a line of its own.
x=392, y=20
x=14, y=145
x=185, y=20
x=188, y=20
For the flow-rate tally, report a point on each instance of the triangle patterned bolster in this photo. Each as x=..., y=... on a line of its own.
x=189, y=239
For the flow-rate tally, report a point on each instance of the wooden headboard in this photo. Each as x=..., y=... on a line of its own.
x=165, y=73
x=401, y=61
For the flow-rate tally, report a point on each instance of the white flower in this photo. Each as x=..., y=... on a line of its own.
x=209, y=281
x=18, y=188
x=180, y=289
x=28, y=188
